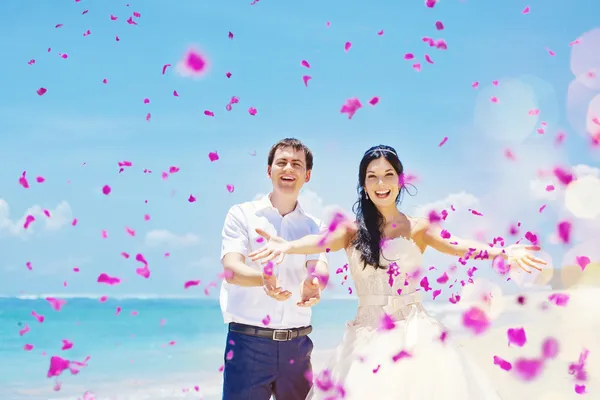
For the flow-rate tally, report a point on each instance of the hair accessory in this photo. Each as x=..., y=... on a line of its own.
x=382, y=150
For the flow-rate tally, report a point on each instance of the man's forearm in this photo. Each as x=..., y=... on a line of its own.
x=320, y=270
x=238, y=273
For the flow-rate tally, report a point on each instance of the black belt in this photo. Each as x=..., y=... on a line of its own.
x=279, y=335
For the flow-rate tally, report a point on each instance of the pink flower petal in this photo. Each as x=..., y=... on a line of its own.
x=193, y=63
x=347, y=46
x=583, y=261
x=550, y=348
x=500, y=265
x=29, y=219
x=505, y=365
x=516, y=336
x=213, y=156
x=399, y=356
x=560, y=299
x=351, y=106
x=189, y=284
x=476, y=320
x=386, y=323
x=109, y=280
x=528, y=369
x=266, y=320
x=56, y=304
x=564, y=231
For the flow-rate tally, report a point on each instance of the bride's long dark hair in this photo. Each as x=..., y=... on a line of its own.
x=368, y=218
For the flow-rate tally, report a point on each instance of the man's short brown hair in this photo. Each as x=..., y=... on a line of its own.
x=296, y=145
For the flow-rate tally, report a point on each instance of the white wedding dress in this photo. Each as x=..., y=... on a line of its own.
x=405, y=362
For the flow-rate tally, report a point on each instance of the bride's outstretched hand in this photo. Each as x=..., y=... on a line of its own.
x=275, y=249
x=521, y=255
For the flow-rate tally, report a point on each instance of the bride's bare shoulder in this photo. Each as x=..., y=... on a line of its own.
x=418, y=225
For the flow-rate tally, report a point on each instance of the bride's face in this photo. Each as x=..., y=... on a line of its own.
x=382, y=183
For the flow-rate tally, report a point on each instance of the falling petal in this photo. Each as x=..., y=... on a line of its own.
x=350, y=107
x=516, y=336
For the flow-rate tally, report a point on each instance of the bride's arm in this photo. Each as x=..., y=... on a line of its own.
x=334, y=241
x=437, y=238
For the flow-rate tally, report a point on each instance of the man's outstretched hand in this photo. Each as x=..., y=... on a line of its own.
x=272, y=288
x=310, y=292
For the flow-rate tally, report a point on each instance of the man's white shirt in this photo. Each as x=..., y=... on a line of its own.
x=251, y=305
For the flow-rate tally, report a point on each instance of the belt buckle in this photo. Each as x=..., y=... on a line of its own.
x=277, y=335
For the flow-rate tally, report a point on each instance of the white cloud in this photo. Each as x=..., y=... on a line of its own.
x=160, y=237
x=460, y=201
x=582, y=170
x=60, y=216
x=460, y=221
x=538, y=190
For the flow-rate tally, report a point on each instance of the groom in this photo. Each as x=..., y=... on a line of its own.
x=268, y=307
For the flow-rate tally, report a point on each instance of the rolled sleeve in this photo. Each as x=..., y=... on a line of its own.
x=235, y=233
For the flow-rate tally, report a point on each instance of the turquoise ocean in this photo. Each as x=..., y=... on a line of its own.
x=154, y=348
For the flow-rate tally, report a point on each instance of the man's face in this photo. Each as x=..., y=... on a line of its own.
x=288, y=171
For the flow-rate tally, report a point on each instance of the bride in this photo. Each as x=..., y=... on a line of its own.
x=393, y=349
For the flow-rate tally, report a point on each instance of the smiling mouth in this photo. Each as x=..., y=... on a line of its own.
x=288, y=179
x=382, y=194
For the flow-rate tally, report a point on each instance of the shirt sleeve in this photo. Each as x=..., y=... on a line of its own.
x=321, y=228
x=234, y=237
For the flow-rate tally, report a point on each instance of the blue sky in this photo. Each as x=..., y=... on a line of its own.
x=81, y=120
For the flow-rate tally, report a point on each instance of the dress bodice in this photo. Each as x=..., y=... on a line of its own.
x=400, y=256
x=388, y=289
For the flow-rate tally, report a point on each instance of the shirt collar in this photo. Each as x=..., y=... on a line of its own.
x=264, y=203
